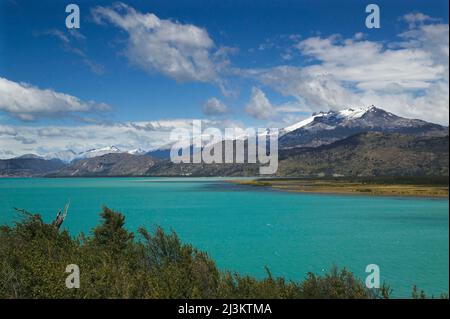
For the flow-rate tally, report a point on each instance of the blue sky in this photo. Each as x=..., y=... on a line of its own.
x=255, y=63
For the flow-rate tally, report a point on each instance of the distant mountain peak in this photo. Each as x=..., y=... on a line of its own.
x=102, y=149
x=327, y=127
x=68, y=156
x=94, y=152
x=354, y=113
x=137, y=151
x=348, y=113
x=64, y=155
x=29, y=156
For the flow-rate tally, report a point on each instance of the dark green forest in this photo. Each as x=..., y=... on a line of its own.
x=117, y=263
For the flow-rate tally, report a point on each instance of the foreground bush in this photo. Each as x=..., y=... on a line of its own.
x=115, y=263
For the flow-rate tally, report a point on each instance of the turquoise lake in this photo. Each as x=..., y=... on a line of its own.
x=245, y=229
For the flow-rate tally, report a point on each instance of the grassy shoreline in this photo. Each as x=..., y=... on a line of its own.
x=403, y=187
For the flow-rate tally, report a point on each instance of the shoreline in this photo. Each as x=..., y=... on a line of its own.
x=323, y=186
x=379, y=187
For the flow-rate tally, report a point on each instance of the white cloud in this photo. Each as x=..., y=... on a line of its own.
x=7, y=130
x=27, y=102
x=259, y=105
x=432, y=39
x=359, y=36
x=409, y=77
x=25, y=140
x=313, y=92
x=214, y=106
x=368, y=65
x=417, y=18
x=277, y=115
x=179, y=51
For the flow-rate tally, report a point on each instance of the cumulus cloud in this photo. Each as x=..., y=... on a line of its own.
x=214, y=106
x=259, y=105
x=368, y=65
x=312, y=91
x=409, y=77
x=417, y=18
x=27, y=102
x=274, y=115
x=179, y=51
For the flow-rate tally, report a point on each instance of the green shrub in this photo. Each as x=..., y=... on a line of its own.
x=115, y=263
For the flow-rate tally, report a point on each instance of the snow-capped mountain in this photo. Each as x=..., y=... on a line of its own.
x=98, y=152
x=319, y=129
x=346, y=114
x=65, y=156
x=137, y=151
x=68, y=156
x=29, y=156
x=327, y=127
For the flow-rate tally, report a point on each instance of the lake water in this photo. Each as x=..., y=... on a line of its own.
x=245, y=229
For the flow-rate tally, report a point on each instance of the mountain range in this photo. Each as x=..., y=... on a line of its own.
x=110, y=164
x=352, y=142
x=68, y=156
x=28, y=166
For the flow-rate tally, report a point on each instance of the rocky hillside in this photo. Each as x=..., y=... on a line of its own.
x=365, y=154
x=26, y=166
x=370, y=154
x=114, y=164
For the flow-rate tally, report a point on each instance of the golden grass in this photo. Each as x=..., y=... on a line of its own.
x=346, y=187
